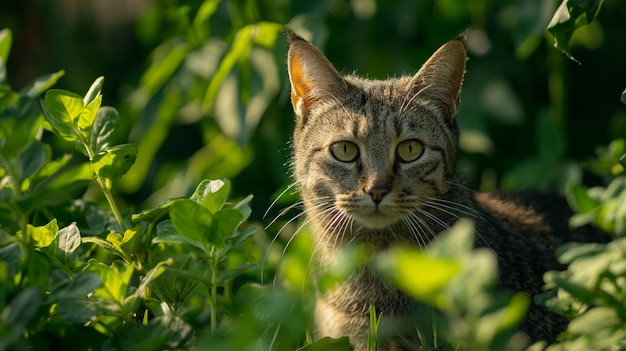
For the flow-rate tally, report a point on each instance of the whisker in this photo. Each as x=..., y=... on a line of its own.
x=289, y=187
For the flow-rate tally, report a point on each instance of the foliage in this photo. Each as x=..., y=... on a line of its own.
x=591, y=291
x=103, y=247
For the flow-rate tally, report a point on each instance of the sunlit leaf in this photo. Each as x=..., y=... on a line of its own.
x=5, y=47
x=434, y=273
x=6, y=39
x=94, y=91
x=41, y=236
x=41, y=84
x=115, y=279
x=67, y=240
x=115, y=161
x=212, y=194
x=87, y=116
x=104, y=127
x=61, y=108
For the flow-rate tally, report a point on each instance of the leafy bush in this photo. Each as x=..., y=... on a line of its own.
x=83, y=266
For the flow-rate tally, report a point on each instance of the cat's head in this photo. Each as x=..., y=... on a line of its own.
x=367, y=152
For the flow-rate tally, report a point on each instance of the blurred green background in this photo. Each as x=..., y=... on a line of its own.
x=202, y=86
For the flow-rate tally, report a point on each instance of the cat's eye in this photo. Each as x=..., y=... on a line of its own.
x=344, y=151
x=409, y=150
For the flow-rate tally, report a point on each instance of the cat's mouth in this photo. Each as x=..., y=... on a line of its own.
x=377, y=219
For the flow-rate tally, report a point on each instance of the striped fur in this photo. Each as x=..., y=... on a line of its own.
x=380, y=200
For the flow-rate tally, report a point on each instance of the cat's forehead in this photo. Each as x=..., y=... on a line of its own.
x=380, y=109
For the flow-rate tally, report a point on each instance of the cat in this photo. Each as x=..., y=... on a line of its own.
x=374, y=161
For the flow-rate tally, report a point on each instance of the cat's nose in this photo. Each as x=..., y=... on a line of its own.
x=377, y=191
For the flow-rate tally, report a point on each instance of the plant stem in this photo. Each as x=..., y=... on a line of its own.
x=106, y=190
x=213, y=262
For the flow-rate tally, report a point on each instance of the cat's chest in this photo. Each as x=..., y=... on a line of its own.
x=366, y=287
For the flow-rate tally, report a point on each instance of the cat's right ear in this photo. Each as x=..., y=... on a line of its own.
x=313, y=78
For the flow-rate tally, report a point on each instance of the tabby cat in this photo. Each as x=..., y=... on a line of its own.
x=374, y=161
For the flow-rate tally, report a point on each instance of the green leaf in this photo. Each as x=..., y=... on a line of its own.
x=194, y=222
x=33, y=159
x=153, y=214
x=94, y=91
x=623, y=98
x=328, y=344
x=67, y=241
x=579, y=199
x=107, y=245
x=5, y=47
x=42, y=236
x=115, y=280
x=21, y=310
x=401, y=264
x=87, y=116
x=115, y=161
x=225, y=222
x=166, y=233
x=104, y=127
x=571, y=15
x=6, y=39
x=41, y=84
x=61, y=108
x=212, y=194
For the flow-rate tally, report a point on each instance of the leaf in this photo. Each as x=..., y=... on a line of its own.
x=212, y=194
x=61, y=108
x=107, y=245
x=33, y=159
x=42, y=236
x=87, y=116
x=22, y=309
x=41, y=84
x=578, y=198
x=115, y=161
x=328, y=344
x=67, y=241
x=6, y=39
x=623, y=98
x=571, y=15
x=82, y=284
x=115, y=280
x=152, y=274
x=401, y=266
x=153, y=214
x=224, y=223
x=193, y=221
x=103, y=130
x=94, y=91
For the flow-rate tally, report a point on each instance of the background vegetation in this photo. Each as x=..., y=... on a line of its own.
x=94, y=255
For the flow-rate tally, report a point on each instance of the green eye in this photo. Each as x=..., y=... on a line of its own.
x=344, y=151
x=409, y=150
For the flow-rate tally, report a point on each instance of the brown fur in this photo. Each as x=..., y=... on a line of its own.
x=381, y=198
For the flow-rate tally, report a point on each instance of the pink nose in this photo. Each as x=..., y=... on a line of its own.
x=377, y=192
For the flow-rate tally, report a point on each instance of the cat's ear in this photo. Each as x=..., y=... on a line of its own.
x=312, y=76
x=440, y=78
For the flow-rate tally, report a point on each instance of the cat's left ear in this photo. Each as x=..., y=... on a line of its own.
x=313, y=78
x=441, y=77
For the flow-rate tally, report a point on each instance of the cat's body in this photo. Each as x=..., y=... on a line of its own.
x=375, y=161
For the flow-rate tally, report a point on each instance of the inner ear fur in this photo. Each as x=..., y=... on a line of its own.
x=311, y=75
x=441, y=77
